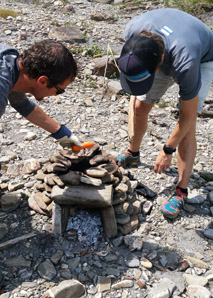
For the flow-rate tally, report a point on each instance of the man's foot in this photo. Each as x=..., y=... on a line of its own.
x=126, y=159
x=173, y=206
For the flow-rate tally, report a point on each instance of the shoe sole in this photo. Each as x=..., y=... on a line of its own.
x=128, y=166
x=168, y=215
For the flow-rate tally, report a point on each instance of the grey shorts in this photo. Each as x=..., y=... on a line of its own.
x=163, y=82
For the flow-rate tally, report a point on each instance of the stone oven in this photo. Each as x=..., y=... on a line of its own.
x=89, y=179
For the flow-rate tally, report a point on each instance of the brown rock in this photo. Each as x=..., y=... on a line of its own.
x=58, y=158
x=40, y=175
x=98, y=159
x=31, y=166
x=39, y=200
x=96, y=172
x=33, y=205
x=49, y=179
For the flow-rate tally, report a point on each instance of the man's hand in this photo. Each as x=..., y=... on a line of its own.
x=162, y=162
x=66, y=138
x=69, y=141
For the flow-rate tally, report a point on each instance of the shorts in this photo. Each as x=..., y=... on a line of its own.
x=163, y=82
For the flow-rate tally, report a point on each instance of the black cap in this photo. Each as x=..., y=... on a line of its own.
x=138, y=62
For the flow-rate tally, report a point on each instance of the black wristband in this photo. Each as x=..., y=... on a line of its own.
x=168, y=149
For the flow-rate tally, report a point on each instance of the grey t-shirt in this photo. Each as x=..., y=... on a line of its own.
x=9, y=73
x=188, y=42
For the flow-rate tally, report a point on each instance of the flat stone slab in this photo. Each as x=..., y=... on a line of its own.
x=68, y=34
x=89, y=196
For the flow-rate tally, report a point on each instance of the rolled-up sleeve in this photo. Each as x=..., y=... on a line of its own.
x=21, y=103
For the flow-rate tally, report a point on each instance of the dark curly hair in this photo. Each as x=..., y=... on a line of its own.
x=49, y=58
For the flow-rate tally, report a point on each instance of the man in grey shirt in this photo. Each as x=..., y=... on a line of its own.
x=44, y=69
x=165, y=46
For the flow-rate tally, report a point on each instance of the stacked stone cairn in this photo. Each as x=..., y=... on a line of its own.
x=90, y=179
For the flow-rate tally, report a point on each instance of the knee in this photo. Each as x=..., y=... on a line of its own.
x=142, y=108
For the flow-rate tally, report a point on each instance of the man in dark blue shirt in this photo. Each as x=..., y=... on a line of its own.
x=44, y=69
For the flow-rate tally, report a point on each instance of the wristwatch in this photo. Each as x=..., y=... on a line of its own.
x=168, y=149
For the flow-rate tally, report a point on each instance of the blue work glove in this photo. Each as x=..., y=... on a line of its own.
x=66, y=138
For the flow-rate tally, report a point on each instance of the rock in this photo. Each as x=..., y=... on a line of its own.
x=34, y=205
x=208, y=233
x=10, y=202
x=18, y=261
x=56, y=257
x=198, y=292
x=206, y=175
x=198, y=263
x=31, y=166
x=68, y=34
x=123, y=284
x=121, y=188
x=146, y=263
x=92, y=181
x=3, y=230
x=195, y=280
x=132, y=263
x=119, y=198
x=164, y=288
x=121, y=209
x=71, y=178
x=195, y=200
x=147, y=207
x=105, y=65
x=67, y=288
x=122, y=219
x=14, y=186
x=210, y=197
x=133, y=242
x=104, y=284
x=38, y=197
x=47, y=270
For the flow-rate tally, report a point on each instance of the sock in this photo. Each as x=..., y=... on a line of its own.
x=134, y=153
x=183, y=190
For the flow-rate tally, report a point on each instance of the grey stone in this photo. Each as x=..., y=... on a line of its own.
x=3, y=230
x=19, y=261
x=68, y=34
x=10, y=202
x=47, y=270
x=208, y=233
x=104, y=284
x=132, y=263
x=210, y=197
x=198, y=292
x=67, y=288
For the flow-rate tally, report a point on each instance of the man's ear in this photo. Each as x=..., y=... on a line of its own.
x=43, y=80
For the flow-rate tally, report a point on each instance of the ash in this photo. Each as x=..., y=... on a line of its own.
x=88, y=226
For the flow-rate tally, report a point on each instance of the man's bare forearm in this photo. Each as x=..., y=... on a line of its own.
x=41, y=119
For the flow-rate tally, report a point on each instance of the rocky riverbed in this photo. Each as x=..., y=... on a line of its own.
x=160, y=258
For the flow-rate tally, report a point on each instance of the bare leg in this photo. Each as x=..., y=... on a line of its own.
x=140, y=123
x=186, y=155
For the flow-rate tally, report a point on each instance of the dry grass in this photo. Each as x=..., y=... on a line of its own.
x=4, y=13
